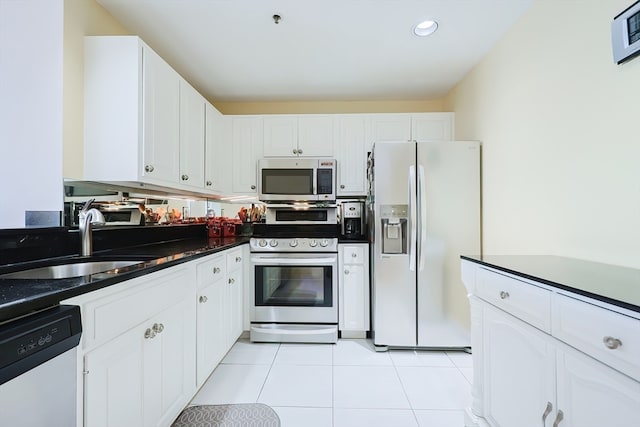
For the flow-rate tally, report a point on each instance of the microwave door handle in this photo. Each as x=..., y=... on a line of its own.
x=314, y=184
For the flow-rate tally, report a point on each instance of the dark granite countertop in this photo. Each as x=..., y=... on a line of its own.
x=609, y=283
x=22, y=296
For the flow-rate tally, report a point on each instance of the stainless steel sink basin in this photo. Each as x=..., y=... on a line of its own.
x=63, y=271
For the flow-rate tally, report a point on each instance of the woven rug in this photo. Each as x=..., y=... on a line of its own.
x=237, y=415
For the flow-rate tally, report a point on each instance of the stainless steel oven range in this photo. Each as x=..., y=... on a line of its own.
x=294, y=294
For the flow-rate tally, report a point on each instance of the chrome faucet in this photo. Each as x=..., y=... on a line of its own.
x=88, y=217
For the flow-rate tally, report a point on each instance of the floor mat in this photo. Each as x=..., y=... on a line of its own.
x=237, y=415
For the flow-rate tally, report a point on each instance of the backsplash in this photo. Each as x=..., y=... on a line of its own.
x=31, y=244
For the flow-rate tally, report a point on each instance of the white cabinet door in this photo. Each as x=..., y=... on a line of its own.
x=234, y=306
x=113, y=390
x=350, y=153
x=191, y=136
x=432, y=127
x=171, y=365
x=280, y=136
x=315, y=136
x=211, y=333
x=218, y=167
x=247, y=135
x=353, y=285
x=161, y=88
x=591, y=394
x=353, y=297
x=391, y=127
x=520, y=361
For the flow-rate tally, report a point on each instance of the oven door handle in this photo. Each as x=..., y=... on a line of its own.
x=294, y=261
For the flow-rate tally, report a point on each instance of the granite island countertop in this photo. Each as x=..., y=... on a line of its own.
x=612, y=284
x=22, y=296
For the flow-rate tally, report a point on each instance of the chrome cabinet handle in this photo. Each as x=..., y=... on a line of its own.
x=299, y=151
x=149, y=334
x=158, y=328
x=238, y=259
x=148, y=168
x=346, y=272
x=216, y=270
x=231, y=281
x=342, y=186
x=611, y=343
x=203, y=299
x=504, y=295
x=546, y=413
x=253, y=187
x=354, y=255
x=295, y=151
x=559, y=417
x=209, y=183
x=185, y=177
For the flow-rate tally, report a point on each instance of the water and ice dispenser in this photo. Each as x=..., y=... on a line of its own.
x=394, y=223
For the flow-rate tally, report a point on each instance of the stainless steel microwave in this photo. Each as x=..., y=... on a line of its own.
x=297, y=179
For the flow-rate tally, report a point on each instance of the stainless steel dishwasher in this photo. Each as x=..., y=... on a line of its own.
x=38, y=368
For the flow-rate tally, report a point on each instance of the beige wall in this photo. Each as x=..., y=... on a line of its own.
x=330, y=107
x=81, y=17
x=558, y=121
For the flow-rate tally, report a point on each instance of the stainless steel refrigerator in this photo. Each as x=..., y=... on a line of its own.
x=424, y=212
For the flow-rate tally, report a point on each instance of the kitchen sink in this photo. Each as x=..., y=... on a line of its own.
x=72, y=269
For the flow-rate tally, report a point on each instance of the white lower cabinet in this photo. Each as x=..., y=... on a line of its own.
x=146, y=374
x=353, y=284
x=149, y=343
x=520, y=361
x=577, y=367
x=220, y=308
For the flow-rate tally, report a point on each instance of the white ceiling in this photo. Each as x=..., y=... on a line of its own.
x=322, y=50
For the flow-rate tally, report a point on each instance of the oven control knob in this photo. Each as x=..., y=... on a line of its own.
x=324, y=243
x=313, y=243
x=273, y=243
x=262, y=243
x=293, y=243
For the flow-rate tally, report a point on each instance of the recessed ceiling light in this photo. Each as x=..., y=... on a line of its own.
x=425, y=28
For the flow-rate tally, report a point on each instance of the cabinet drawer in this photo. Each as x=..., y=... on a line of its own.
x=353, y=255
x=234, y=259
x=108, y=317
x=209, y=271
x=610, y=337
x=525, y=301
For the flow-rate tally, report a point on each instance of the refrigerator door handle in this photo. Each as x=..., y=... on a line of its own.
x=422, y=209
x=412, y=217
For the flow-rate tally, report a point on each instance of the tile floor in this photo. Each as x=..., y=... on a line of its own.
x=346, y=384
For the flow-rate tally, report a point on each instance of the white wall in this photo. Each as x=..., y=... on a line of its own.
x=31, y=55
x=559, y=124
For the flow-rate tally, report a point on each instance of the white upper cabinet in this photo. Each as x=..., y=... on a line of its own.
x=432, y=127
x=144, y=124
x=247, y=135
x=351, y=148
x=218, y=167
x=293, y=136
x=412, y=126
x=315, y=136
x=192, y=128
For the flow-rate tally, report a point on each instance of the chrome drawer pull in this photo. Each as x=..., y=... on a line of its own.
x=149, y=334
x=203, y=299
x=611, y=343
x=504, y=295
x=546, y=413
x=232, y=281
x=559, y=417
x=158, y=327
x=216, y=270
x=238, y=259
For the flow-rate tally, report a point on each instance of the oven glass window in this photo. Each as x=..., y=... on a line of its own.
x=297, y=286
x=287, y=181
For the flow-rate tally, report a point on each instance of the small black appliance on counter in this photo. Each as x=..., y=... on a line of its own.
x=352, y=221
